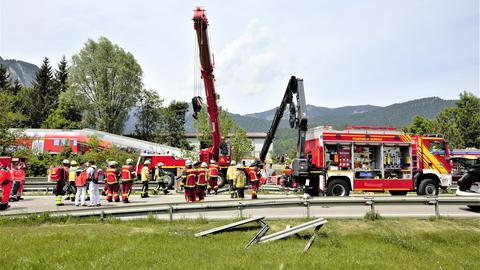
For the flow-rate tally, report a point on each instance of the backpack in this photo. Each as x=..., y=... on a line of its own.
x=81, y=180
x=55, y=174
x=99, y=176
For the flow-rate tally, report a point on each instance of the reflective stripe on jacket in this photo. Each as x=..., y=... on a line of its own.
x=191, y=178
x=111, y=176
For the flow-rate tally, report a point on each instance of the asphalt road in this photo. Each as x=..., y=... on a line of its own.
x=35, y=204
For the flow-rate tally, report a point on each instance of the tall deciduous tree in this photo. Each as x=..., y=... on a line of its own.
x=242, y=146
x=420, y=126
x=173, y=129
x=149, y=115
x=468, y=119
x=69, y=112
x=110, y=79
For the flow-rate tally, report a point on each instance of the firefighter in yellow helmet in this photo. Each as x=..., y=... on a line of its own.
x=145, y=177
x=160, y=175
x=240, y=181
x=231, y=171
x=72, y=173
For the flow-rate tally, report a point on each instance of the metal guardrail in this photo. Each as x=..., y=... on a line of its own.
x=241, y=206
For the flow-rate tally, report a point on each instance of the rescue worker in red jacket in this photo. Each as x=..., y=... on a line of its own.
x=6, y=183
x=128, y=174
x=212, y=177
x=189, y=181
x=58, y=190
x=112, y=181
x=254, y=180
x=202, y=176
x=18, y=174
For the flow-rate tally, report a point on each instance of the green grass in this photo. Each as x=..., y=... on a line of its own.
x=70, y=243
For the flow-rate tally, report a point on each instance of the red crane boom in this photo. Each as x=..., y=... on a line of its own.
x=214, y=152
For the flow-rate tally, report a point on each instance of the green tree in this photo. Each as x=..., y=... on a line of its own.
x=173, y=129
x=149, y=115
x=5, y=82
x=468, y=119
x=42, y=98
x=420, y=126
x=68, y=114
x=61, y=76
x=16, y=87
x=242, y=146
x=110, y=79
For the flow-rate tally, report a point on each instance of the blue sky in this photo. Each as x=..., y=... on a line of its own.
x=347, y=52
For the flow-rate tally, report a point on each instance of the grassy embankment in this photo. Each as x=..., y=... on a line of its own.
x=69, y=243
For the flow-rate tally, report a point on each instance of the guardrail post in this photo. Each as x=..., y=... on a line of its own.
x=170, y=212
x=102, y=215
x=307, y=204
x=437, y=209
x=240, y=208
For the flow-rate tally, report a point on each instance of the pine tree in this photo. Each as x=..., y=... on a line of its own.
x=16, y=87
x=61, y=76
x=5, y=82
x=43, y=96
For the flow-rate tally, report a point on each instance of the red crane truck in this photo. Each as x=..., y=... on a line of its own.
x=219, y=150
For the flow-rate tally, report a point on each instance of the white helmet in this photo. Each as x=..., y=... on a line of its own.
x=129, y=161
x=188, y=162
x=212, y=161
x=111, y=163
x=233, y=162
x=147, y=162
x=65, y=161
x=204, y=165
x=160, y=164
x=239, y=166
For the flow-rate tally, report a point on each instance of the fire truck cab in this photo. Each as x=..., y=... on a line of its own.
x=376, y=159
x=173, y=166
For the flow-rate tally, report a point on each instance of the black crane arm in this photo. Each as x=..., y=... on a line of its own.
x=298, y=116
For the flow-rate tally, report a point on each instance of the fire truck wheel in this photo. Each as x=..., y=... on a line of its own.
x=169, y=179
x=428, y=187
x=398, y=192
x=338, y=187
x=221, y=180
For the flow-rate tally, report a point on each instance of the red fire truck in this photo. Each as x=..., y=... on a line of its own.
x=374, y=159
x=173, y=166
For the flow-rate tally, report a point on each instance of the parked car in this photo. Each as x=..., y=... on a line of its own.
x=469, y=183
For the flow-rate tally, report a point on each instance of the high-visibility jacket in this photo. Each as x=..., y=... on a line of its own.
x=240, y=179
x=252, y=173
x=159, y=173
x=127, y=173
x=213, y=170
x=145, y=174
x=202, y=176
x=4, y=176
x=18, y=174
x=72, y=173
x=111, y=176
x=191, y=178
x=231, y=172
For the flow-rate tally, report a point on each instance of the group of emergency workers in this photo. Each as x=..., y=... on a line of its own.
x=117, y=182
x=12, y=181
x=200, y=179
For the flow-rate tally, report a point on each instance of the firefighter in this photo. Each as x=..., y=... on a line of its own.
x=112, y=181
x=254, y=181
x=18, y=175
x=189, y=181
x=230, y=176
x=59, y=186
x=72, y=172
x=128, y=174
x=239, y=181
x=212, y=177
x=159, y=176
x=145, y=177
x=202, y=174
x=6, y=183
